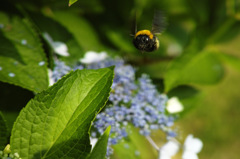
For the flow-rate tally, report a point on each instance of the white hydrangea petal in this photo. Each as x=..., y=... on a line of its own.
x=93, y=57
x=169, y=149
x=189, y=155
x=174, y=105
x=60, y=48
x=163, y=155
x=192, y=144
x=93, y=141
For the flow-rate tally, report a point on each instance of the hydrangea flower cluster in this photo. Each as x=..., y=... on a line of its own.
x=132, y=101
x=60, y=70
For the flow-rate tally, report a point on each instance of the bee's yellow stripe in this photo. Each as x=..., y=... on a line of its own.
x=144, y=32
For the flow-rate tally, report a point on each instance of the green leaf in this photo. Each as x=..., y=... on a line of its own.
x=56, y=123
x=71, y=2
x=183, y=92
x=154, y=69
x=22, y=60
x=3, y=132
x=230, y=60
x=84, y=33
x=203, y=68
x=100, y=149
x=188, y=96
x=122, y=42
x=50, y=28
x=227, y=31
x=136, y=146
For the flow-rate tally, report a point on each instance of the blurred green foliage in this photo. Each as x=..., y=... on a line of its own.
x=201, y=40
x=3, y=132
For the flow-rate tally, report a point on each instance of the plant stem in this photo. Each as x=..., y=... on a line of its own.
x=150, y=140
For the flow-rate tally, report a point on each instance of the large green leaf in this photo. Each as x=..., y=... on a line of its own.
x=201, y=68
x=100, y=149
x=80, y=28
x=56, y=123
x=22, y=60
x=3, y=132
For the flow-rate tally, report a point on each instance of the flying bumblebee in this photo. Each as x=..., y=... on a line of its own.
x=146, y=40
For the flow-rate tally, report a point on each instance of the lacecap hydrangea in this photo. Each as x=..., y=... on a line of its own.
x=132, y=101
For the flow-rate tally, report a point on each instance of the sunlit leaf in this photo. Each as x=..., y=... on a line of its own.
x=56, y=123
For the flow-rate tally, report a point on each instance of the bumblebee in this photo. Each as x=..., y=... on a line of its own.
x=146, y=40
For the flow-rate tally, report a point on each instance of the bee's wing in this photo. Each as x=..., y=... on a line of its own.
x=159, y=22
